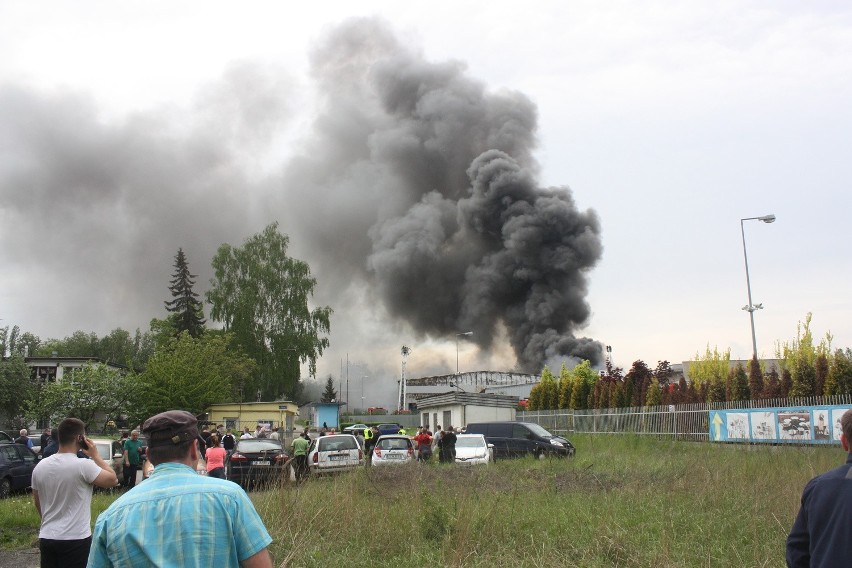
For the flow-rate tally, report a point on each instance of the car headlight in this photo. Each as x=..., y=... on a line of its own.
x=557, y=443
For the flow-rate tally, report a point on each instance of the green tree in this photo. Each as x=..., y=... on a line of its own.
x=739, y=383
x=16, y=386
x=329, y=394
x=185, y=307
x=786, y=383
x=566, y=385
x=772, y=386
x=839, y=379
x=534, y=401
x=193, y=373
x=584, y=383
x=84, y=393
x=549, y=390
x=78, y=344
x=653, y=396
x=261, y=295
x=799, y=357
x=821, y=372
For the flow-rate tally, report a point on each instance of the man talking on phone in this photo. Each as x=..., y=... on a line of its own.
x=62, y=491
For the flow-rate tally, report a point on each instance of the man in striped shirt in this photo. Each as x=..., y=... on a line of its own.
x=176, y=517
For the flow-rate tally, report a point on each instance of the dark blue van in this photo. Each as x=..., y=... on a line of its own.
x=517, y=439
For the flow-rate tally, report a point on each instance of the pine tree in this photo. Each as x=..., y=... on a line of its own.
x=821, y=369
x=772, y=387
x=786, y=383
x=329, y=394
x=187, y=310
x=654, y=396
x=739, y=383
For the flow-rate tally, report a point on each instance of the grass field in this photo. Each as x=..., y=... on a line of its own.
x=623, y=501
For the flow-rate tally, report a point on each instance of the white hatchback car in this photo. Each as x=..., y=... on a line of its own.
x=473, y=449
x=331, y=454
x=393, y=449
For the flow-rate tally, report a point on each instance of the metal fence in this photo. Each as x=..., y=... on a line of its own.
x=679, y=421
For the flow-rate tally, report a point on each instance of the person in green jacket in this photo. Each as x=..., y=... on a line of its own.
x=300, y=455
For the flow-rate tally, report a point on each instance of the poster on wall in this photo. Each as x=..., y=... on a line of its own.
x=807, y=425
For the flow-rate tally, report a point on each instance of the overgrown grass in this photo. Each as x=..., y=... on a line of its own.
x=623, y=501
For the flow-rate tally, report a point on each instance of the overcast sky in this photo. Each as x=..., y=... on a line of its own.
x=131, y=129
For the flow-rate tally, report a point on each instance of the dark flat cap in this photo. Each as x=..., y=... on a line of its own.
x=170, y=427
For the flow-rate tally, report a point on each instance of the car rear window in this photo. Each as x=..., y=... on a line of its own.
x=337, y=444
x=257, y=445
x=395, y=444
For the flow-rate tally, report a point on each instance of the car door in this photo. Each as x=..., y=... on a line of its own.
x=520, y=443
x=16, y=467
x=500, y=435
x=30, y=461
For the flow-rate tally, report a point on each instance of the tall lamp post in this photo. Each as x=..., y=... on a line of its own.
x=467, y=334
x=752, y=307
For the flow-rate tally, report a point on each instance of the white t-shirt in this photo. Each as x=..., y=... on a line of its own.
x=64, y=485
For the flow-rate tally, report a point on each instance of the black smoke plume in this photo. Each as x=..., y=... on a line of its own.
x=427, y=184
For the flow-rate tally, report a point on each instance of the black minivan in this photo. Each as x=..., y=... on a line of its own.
x=516, y=439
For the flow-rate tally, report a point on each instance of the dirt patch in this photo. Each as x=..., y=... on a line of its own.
x=26, y=558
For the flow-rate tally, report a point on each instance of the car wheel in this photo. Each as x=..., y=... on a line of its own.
x=5, y=488
x=541, y=455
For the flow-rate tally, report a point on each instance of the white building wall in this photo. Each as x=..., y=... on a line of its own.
x=488, y=414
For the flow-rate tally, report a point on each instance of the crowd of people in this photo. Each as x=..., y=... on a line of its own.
x=175, y=518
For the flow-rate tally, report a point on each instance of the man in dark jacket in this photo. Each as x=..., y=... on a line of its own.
x=820, y=534
x=447, y=445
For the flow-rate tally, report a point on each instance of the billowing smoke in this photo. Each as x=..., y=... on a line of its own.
x=412, y=194
x=427, y=188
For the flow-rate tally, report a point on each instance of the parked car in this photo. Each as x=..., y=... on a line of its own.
x=472, y=449
x=386, y=429
x=16, y=468
x=6, y=438
x=257, y=460
x=516, y=439
x=393, y=449
x=355, y=429
x=331, y=454
x=106, y=449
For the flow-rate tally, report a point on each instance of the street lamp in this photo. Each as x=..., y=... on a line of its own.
x=751, y=307
x=466, y=333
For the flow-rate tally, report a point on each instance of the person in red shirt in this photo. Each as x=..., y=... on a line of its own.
x=424, y=444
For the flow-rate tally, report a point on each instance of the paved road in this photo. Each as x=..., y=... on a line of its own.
x=28, y=558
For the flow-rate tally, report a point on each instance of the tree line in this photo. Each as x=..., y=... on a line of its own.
x=260, y=297
x=805, y=368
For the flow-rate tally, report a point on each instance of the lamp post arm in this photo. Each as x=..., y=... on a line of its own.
x=748, y=287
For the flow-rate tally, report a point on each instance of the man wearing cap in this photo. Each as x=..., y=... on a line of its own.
x=62, y=492
x=177, y=517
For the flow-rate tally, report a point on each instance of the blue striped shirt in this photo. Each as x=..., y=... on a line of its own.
x=179, y=518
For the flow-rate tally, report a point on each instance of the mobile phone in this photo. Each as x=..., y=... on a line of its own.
x=81, y=440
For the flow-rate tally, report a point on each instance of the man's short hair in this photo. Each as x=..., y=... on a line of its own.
x=69, y=429
x=846, y=425
x=23, y=431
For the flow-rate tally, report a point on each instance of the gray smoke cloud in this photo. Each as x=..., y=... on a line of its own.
x=412, y=195
x=427, y=186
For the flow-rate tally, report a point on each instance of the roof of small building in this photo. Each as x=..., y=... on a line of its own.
x=469, y=399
